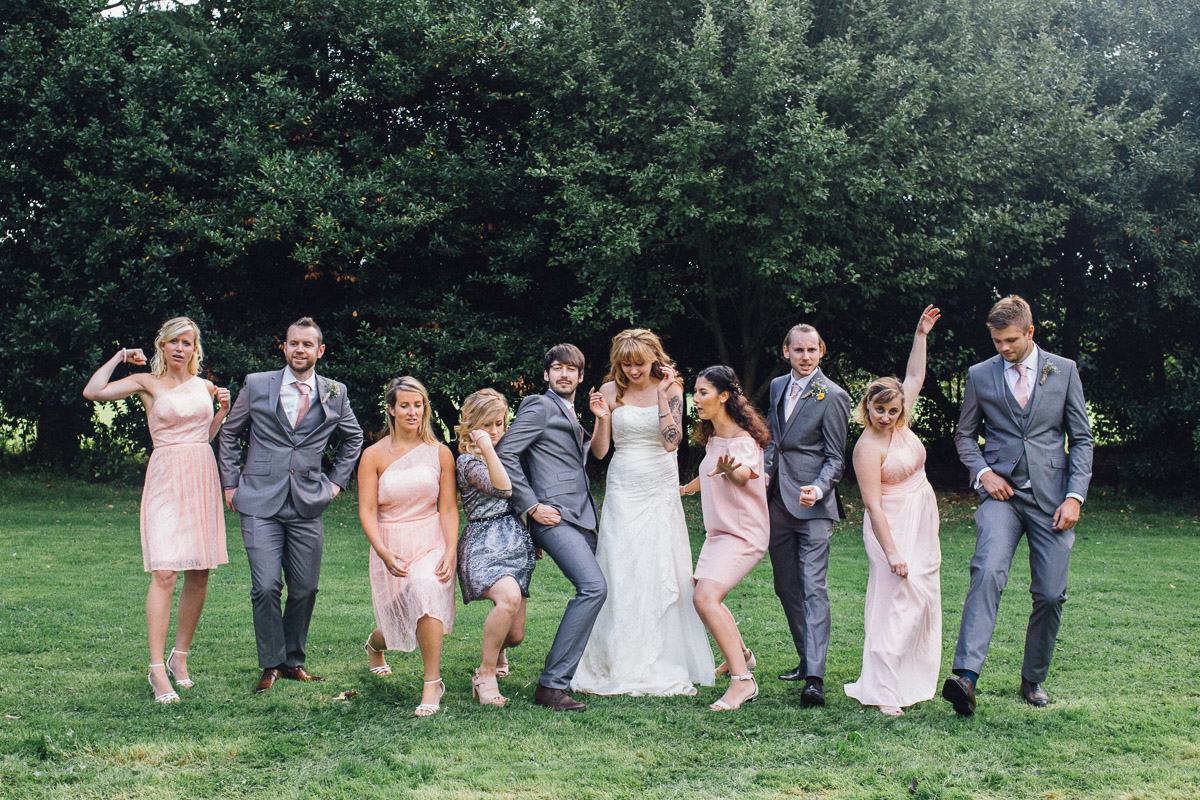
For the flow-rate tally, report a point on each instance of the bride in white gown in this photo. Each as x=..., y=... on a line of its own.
x=648, y=638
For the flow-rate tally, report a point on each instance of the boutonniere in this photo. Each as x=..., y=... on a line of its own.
x=817, y=389
x=1047, y=370
x=331, y=390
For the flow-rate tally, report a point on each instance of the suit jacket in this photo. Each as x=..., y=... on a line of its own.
x=544, y=452
x=1055, y=410
x=809, y=448
x=281, y=460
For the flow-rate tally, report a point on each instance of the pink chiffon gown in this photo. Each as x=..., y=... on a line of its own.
x=182, y=520
x=902, y=652
x=736, y=521
x=411, y=528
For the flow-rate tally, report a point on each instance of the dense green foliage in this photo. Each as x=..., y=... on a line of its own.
x=449, y=188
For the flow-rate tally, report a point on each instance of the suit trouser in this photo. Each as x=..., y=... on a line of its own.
x=799, y=551
x=999, y=526
x=282, y=548
x=574, y=551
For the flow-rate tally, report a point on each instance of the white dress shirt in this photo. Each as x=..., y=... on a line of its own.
x=289, y=395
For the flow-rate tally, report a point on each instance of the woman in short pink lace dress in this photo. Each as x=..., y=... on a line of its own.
x=409, y=511
x=183, y=524
x=902, y=651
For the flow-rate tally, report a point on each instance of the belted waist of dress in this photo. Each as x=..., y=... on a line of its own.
x=182, y=444
x=915, y=479
x=493, y=517
x=407, y=521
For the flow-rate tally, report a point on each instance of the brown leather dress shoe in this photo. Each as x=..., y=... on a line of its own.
x=1034, y=694
x=267, y=680
x=298, y=674
x=961, y=694
x=557, y=699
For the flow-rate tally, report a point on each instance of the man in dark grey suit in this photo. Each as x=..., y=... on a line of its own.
x=1024, y=401
x=544, y=452
x=290, y=414
x=808, y=417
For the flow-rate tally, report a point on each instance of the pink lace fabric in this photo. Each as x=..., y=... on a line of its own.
x=183, y=522
x=902, y=651
x=411, y=528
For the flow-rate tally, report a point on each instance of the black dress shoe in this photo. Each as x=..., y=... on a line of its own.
x=1034, y=694
x=557, y=699
x=794, y=674
x=813, y=694
x=961, y=694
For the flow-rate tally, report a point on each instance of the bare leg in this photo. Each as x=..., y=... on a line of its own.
x=719, y=620
x=516, y=631
x=158, y=620
x=429, y=639
x=191, y=603
x=506, y=594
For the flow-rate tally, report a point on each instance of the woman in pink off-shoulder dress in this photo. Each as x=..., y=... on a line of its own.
x=734, y=499
x=182, y=521
x=902, y=651
x=408, y=507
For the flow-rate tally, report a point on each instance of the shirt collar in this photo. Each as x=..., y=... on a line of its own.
x=1030, y=361
x=802, y=382
x=291, y=378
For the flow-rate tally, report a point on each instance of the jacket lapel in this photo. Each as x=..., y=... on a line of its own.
x=276, y=406
x=802, y=402
x=576, y=428
x=777, y=387
x=1035, y=386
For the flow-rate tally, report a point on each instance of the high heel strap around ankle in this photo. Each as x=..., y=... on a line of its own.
x=165, y=697
x=186, y=683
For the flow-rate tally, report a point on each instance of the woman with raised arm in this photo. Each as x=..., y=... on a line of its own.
x=734, y=499
x=182, y=521
x=902, y=651
x=495, y=551
x=409, y=511
x=647, y=639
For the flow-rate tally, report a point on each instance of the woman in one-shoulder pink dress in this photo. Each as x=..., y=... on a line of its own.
x=408, y=507
x=182, y=522
x=902, y=651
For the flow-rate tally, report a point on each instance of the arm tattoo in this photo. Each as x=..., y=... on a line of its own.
x=673, y=433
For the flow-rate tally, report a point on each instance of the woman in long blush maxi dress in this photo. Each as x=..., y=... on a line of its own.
x=902, y=648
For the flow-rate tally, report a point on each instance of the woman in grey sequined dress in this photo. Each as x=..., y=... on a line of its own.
x=495, y=551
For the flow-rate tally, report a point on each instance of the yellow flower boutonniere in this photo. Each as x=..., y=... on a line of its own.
x=1047, y=370
x=817, y=390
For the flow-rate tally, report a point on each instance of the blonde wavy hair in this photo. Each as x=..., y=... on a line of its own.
x=169, y=330
x=407, y=383
x=881, y=390
x=478, y=409
x=637, y=346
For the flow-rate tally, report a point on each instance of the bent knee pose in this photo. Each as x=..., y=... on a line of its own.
x=183, y=525
x=734, y=501
x=1025, y=402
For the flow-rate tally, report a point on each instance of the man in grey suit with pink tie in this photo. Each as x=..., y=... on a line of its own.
x=1025, y=402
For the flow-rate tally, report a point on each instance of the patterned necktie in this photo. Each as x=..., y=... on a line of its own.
x=302, y=407
x=791, y=401
x=1021, y=390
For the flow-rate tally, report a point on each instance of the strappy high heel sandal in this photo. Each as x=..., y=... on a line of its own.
x=185, y=683
x=485, y=690
x=721, y=705
x=165, y=697
x=429, y=709
x=385, y=669
x=891, y=711
x=502, y=663
x=723, y=667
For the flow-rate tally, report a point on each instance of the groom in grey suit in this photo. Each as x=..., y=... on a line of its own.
x=281, y=492
x=544, y=452
x=808, y=417
x=1024, y=401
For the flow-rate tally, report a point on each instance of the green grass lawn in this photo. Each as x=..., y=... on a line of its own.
x=78, y=721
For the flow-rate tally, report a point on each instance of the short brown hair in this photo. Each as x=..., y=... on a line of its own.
x=881, y=390
x=567, y=354
x=1010, y=311
x=803, y=327
x=307, y=322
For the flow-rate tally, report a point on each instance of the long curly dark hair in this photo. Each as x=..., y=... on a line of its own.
x=724, y=379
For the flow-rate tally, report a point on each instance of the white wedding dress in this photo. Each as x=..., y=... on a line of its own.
x=648, y=638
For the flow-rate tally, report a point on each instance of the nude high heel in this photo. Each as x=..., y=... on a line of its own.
x=429, y=709
x=723, y=667
x=165, y=697
x=485, y=690
x=721, y=705
x=502, y=664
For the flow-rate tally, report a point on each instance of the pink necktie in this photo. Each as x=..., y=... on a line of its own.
x=302, y=407
x=1021, y=390
x=791, y=401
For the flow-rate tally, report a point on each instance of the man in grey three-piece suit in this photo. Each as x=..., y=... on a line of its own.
x=808, y=417
x=544, y=452
x=291, y=415
x=1024, y=401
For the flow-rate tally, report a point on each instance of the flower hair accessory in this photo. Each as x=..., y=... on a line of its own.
x=1048, y=369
